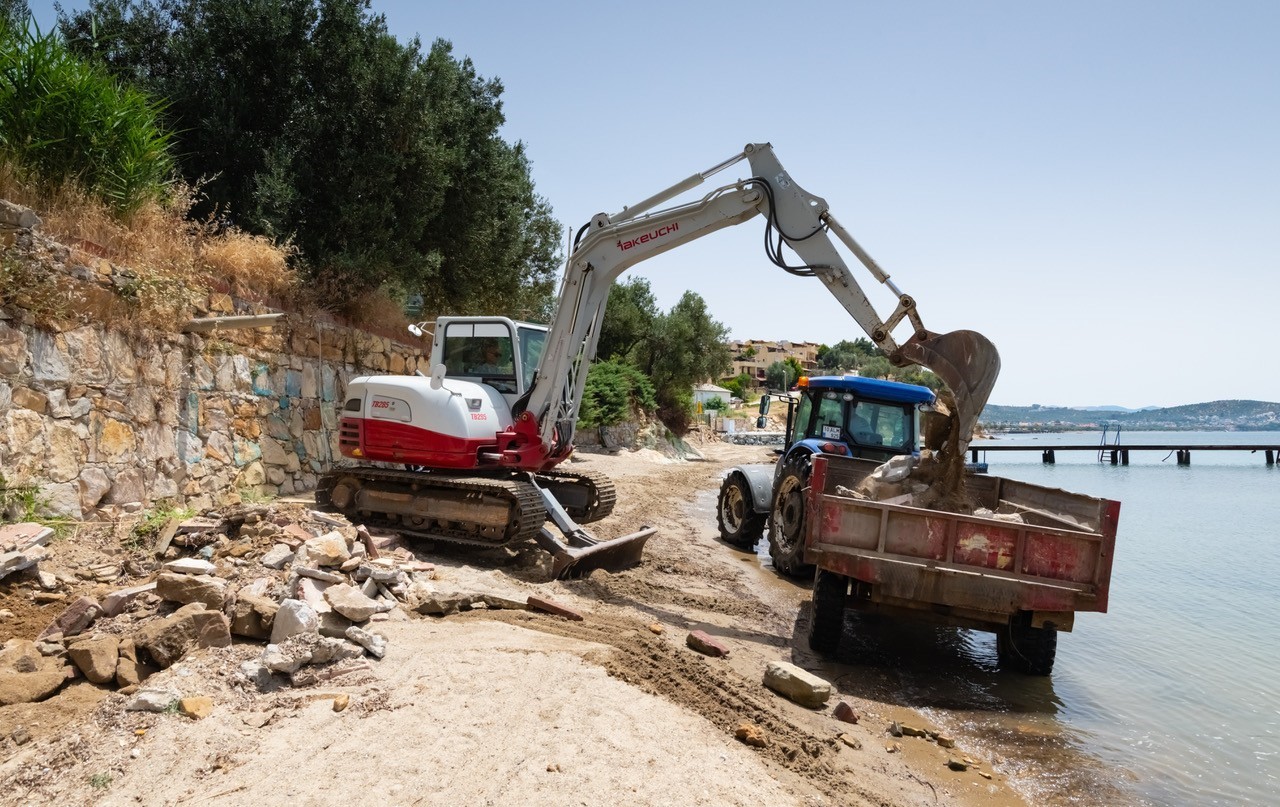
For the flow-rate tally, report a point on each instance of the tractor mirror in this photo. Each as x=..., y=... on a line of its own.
x=762, y=422
x=437, y=376
x=764, y=404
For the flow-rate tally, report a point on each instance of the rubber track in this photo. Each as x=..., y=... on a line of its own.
x=604, y=494
x=530, y=514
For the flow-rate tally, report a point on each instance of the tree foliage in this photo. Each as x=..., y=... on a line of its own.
x=307, y=119
x=63, y=119
x=783, y=374
x=615, y=391
x=846, y=355
x=629, y=319
x=738, y=386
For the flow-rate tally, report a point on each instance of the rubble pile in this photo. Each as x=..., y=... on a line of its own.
x=309, y=585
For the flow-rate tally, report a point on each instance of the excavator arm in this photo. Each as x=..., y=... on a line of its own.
x=609, y=245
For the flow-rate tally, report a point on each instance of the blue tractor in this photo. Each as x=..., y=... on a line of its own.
x=846, y=415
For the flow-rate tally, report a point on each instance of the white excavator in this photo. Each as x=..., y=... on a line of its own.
x=468, y=454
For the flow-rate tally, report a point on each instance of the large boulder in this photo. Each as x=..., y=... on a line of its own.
x=252, y=616
x=96, y=657
x=27, y=687
x=188, y=628
x=189, y=588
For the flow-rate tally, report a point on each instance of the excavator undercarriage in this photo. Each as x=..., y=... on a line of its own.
x=488, y=510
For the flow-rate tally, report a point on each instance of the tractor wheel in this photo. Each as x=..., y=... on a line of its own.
x=1026, y=649
x=826, y=625
x=787, y=520
x=740, y=524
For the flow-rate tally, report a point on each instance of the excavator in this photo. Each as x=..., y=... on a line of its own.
x=469, y=454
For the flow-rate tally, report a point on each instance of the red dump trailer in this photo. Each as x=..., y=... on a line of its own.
x=1022, y=571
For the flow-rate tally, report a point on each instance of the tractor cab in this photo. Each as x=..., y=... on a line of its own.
x=853, y=416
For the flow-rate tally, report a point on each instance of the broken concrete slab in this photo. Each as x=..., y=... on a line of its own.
x=23, y=535
x=351, y=603
x=375, y=643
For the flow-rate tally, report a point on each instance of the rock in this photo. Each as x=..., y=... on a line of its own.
x=78, y=616
x=706, y=644
x=311, y=592
x=193, y=566
x=253, y=616
x=96, y=657
x=277, y=557
x=912, y=731
x=93, y=484
x=893, y=748
x=48, y=581
x=28, y=687
x=316, y=574
x=152, y=700
x=23, y=535
x=945, y=741
x=131, y=672
x=441, y=603
x=21, y=655
x=329, y=549
x=375, y=643
x=553, y=607
x=657, y=629
x=895, y=729
x=293, y=618
x=957, y=764
x=334, y=625
x=197, y=707
x=351, y=603
x=190, y=627
x=46, y=597
x=277, y=658
x=341, y=702
x=18, y=561
x=844, y=712
x=115, y=602
x=796, y=684
x=21, y=736
x=751, y=734
x=499, y=602
x=186, y=588
x=852, y=742
x=984, y=774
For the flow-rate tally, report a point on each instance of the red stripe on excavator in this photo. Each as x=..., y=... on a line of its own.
x=390, y=441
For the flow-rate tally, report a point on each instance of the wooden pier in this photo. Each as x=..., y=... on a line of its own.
x=1119, y=454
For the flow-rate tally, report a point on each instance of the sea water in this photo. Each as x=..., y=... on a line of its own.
x=1173, y=696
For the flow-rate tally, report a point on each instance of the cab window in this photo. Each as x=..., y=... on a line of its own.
x=800, y=427
x=481, y=350
x=830, y=422
x=874, y=424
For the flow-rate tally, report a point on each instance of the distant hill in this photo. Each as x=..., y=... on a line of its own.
x=1212, y=416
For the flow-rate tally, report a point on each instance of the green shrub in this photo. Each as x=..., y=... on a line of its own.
x=614, y=392
x=715, y=404
x=63, y=120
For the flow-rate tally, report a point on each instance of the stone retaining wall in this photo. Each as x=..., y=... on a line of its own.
x=98, y=417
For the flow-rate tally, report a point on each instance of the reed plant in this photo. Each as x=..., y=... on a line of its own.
x=63, y=119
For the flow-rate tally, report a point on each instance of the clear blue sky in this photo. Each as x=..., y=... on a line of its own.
x=1093, y=185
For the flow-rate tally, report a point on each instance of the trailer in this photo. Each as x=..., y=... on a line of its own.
x=1022, y=571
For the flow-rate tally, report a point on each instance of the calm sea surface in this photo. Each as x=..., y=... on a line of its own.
x=1173, y=696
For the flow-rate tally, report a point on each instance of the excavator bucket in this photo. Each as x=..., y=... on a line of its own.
x=585, y=554
x=580, y=552
x=966, y=361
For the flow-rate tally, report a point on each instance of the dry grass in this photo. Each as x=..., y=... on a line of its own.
x=173, y=261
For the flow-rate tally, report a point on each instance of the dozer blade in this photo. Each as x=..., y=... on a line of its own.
x=590, y=554
x=966, y=361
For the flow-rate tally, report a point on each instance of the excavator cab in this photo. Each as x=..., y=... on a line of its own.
x=497, y=351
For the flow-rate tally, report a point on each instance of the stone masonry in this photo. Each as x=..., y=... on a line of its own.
x=98, y=417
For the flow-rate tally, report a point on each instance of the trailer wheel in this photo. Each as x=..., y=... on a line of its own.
x=827, y=623
x=1026, y=649
x=740, y=524
x=787, y=520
